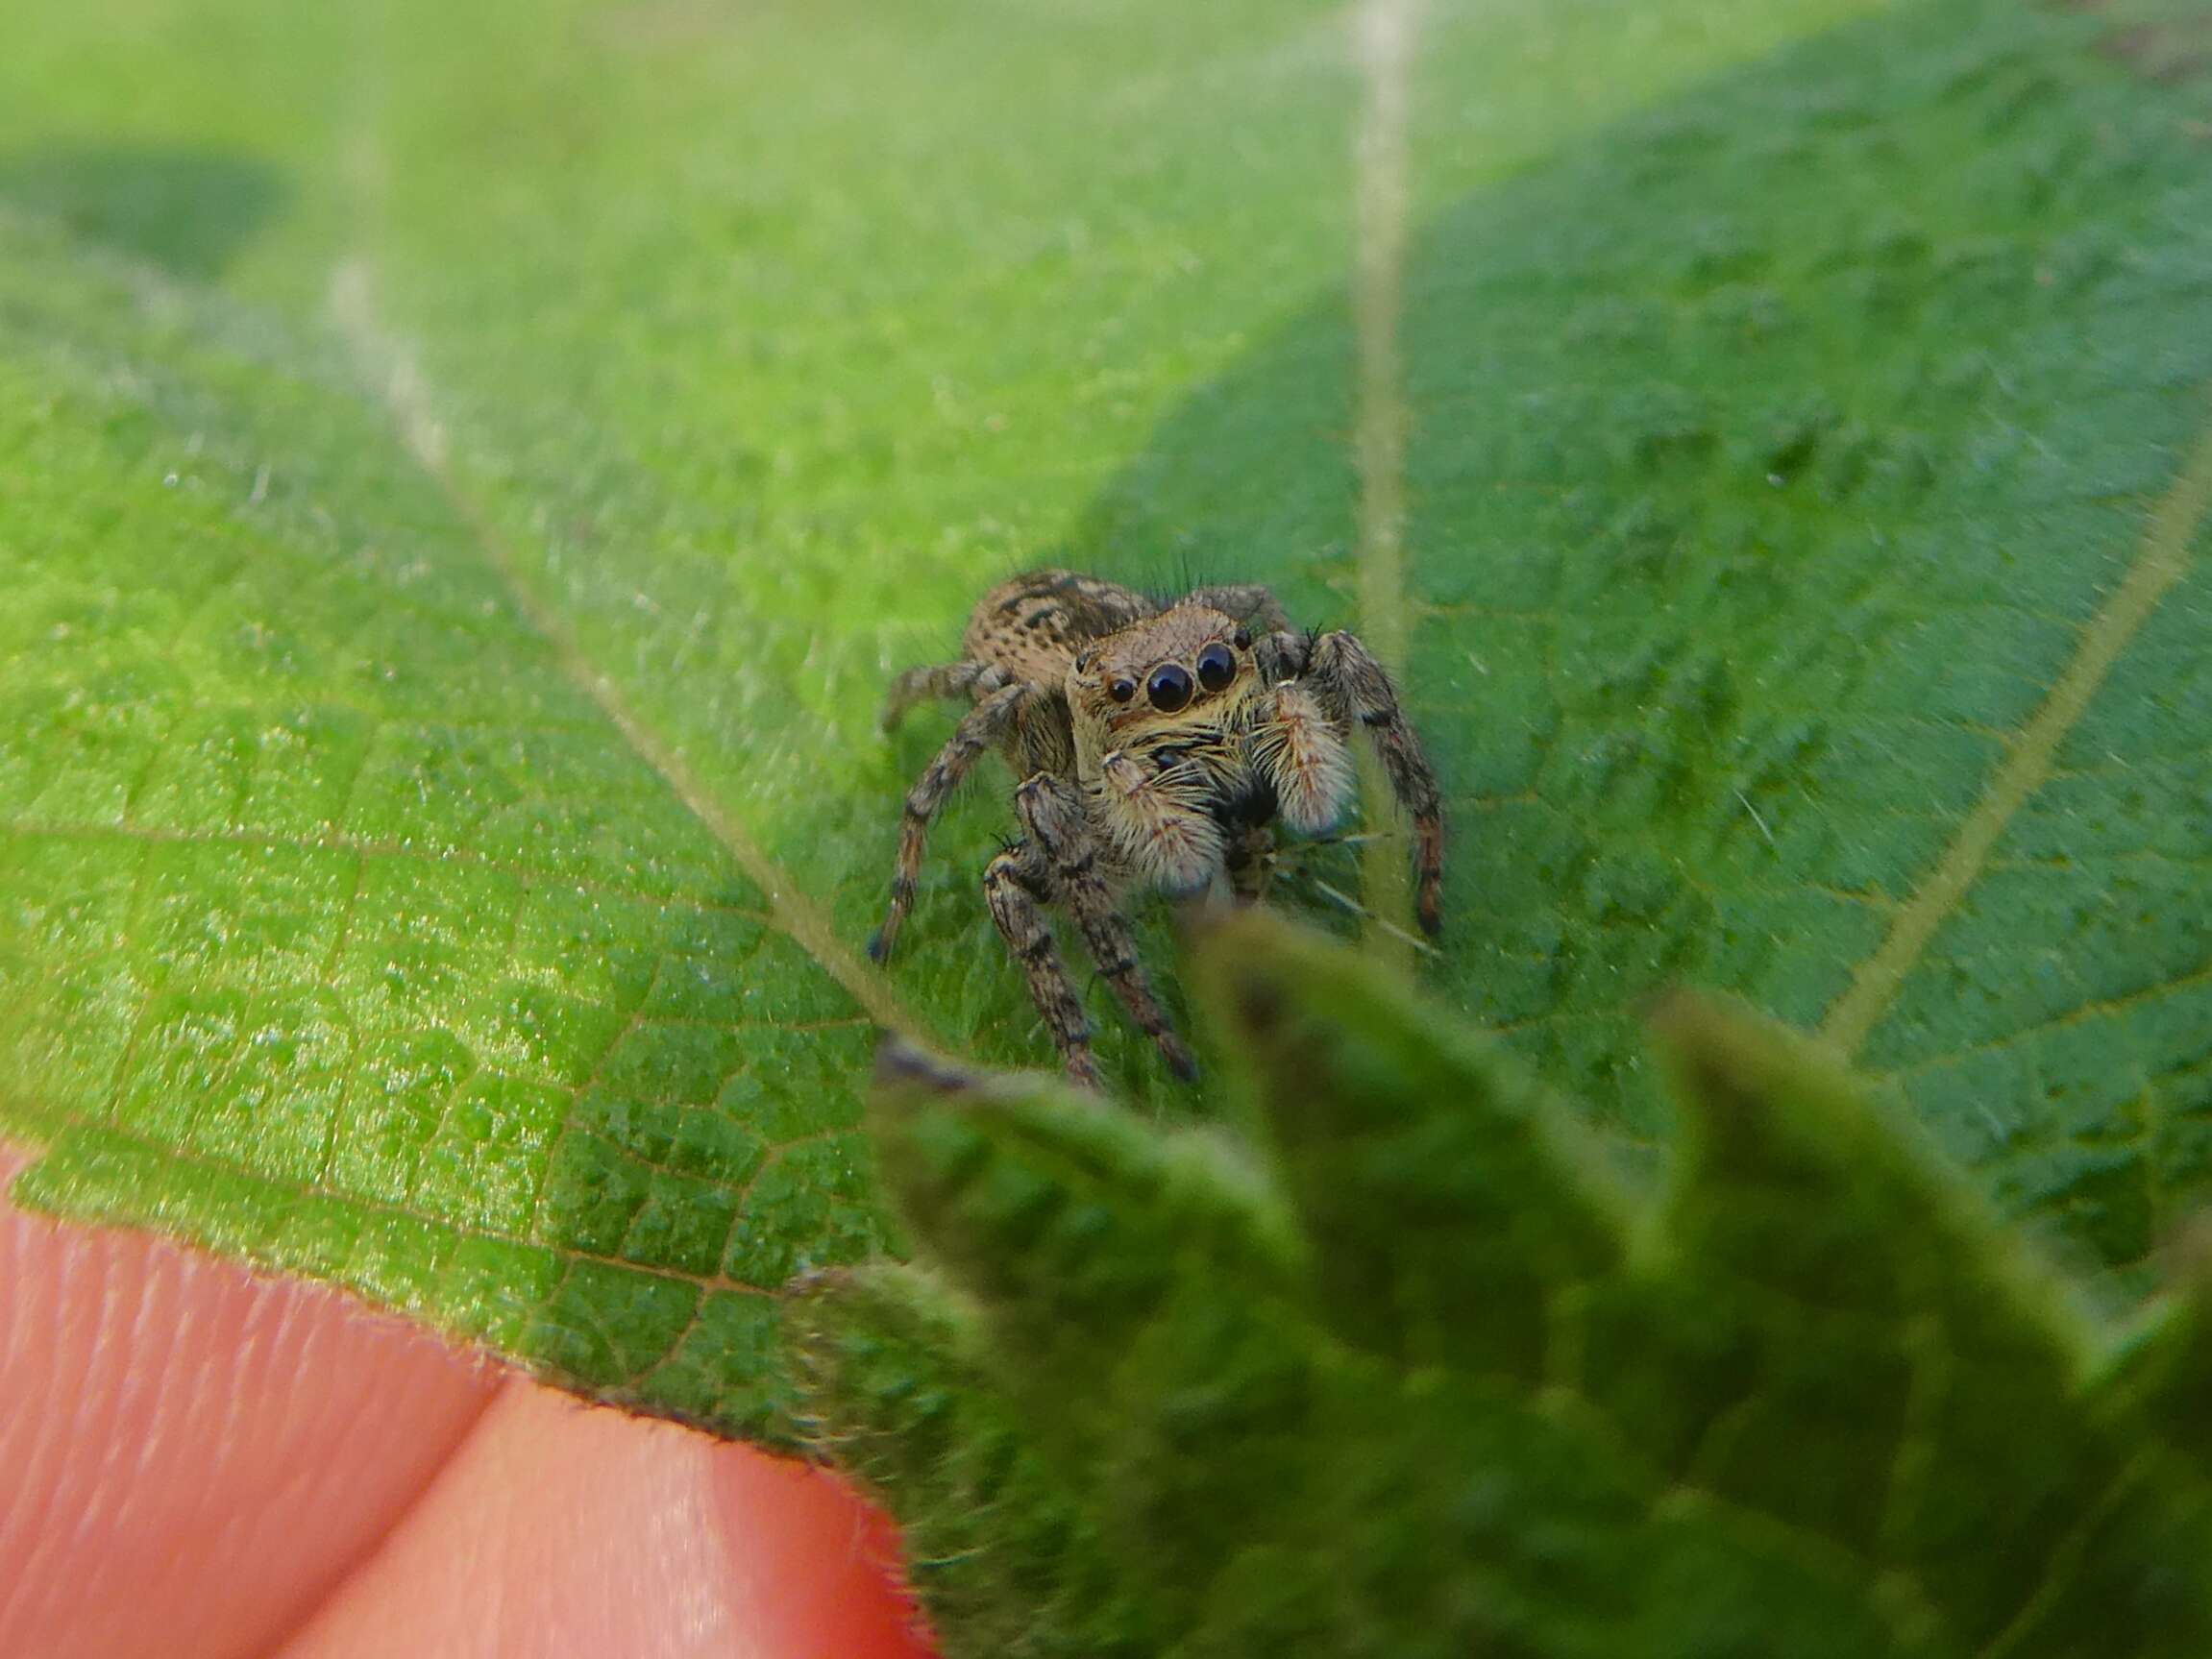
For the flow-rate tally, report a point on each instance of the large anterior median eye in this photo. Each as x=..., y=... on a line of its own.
x=1217, y=668
x=1169, y=688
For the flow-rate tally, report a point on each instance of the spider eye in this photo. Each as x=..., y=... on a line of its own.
x=1169, y=688
x=1242, y=638
x=1217, y=668
x=1121, y=690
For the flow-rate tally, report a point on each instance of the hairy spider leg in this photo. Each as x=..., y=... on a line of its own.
x=1167, y=835
x=943, y=680
x=1297, y=748
x=982, y=726
x=1249, y=602
x=1354, y=688
x=1051, y=810
x=1016, y=886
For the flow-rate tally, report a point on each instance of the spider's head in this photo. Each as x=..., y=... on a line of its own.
x=1186, y=670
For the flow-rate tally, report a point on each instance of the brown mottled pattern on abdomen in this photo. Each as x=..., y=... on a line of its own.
x=1034, y=624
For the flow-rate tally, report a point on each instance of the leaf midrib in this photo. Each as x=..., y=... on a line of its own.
x=394, y=375
x=1387, y=33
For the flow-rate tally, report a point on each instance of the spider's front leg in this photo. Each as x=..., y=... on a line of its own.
x=1017, y=884
x=985, y=724
x=1051, y=810
x=1353, y=687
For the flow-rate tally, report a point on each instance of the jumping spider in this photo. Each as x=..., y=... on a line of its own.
x=1156, y=745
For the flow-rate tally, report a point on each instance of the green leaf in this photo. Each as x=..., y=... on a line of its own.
x=342, y=930
x=1807, y=487
x=1468, y=1395
x=435, y=827
x=899, y=1392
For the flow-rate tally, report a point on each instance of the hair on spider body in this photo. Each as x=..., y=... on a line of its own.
x=1156, y=742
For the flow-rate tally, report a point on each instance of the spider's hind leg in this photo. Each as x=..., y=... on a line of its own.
x=985, y=724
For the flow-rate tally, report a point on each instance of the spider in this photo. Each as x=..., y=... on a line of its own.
x=1155, y=745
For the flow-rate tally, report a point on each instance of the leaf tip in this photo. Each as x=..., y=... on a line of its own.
x=1252, y=962
x=1730, y=1062
x=2186, y=1260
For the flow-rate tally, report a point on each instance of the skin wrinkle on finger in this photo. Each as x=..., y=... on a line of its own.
x=563, y=1529
x=196, y=1456
x=205, y=1463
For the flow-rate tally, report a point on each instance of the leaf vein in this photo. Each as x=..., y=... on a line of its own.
x=1385, y=34
x=398, y=379
x=2161, y=562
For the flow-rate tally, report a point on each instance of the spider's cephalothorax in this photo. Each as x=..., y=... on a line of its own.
x=1155, y=745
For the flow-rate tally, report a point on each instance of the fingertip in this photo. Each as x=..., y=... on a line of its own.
x=196, y=1455
x=563, y=1528
x=820, y=1563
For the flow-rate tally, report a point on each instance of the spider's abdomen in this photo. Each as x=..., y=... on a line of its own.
x=1034, y=624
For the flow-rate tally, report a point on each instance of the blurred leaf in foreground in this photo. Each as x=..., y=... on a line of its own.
x=1413, y=1375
